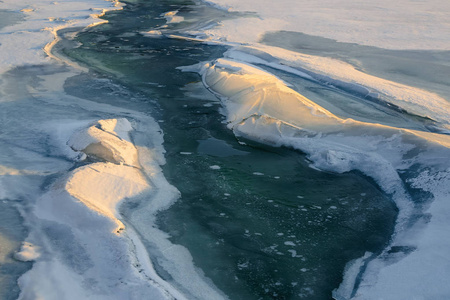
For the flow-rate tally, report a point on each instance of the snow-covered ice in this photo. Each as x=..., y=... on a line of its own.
x=387, y=24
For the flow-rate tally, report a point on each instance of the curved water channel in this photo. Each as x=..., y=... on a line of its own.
x=257, y=220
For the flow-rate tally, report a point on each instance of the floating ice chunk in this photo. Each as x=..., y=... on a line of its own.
x=243, y=265
x=289, y=243
x=153, y=33
x=171, y=17
x=214, y=167
x=28, y=252
x=258, y=173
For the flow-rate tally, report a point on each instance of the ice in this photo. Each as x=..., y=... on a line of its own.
x=386, y=31
x=22, y=43
x=422, y=273
x=387, y=24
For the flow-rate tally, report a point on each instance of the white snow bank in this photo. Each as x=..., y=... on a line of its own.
x=172, y=18
x=401, y=24
x=258, y=106
x=102, y=186
x=28, y=252
x=24, y=43
x=343, y=75
x=107, y=140
x=248, y=93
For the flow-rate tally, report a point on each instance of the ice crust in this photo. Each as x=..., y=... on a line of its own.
x=22, y=43
x=259, y=106
x=386, y=24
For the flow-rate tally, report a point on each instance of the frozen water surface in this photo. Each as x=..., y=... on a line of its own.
x=291, y=173
x=8, y=18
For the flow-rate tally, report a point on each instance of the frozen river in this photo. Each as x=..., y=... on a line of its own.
x=160, y=156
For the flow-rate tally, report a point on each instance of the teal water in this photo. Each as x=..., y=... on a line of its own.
x=258, y=221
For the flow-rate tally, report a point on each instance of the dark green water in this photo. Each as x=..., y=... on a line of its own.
x=257, y=220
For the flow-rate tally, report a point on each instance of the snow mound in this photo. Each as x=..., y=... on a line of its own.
x=107, y=140
x=28, y=252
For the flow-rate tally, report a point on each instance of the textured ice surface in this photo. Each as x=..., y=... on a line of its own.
x=22, y=43
x=401, y=24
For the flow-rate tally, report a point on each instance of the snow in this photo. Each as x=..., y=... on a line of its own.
x=172, y=18
x=28, y=252
x=102, y=186
x=402, y=24
x=107, y=140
